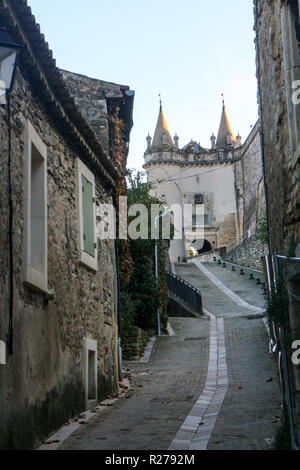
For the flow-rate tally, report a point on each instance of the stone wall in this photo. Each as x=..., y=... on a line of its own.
x=41, y=384
x=281, y=175
x=277, y=29
x=248, y=176
x=248, y=254
x=90, y=96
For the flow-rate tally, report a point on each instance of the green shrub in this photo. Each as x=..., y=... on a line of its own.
x=262, y=230
x=127, y=312
x=277, y=306
x=143, y=287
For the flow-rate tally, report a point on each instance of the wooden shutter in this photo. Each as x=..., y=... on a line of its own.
x=88, y=217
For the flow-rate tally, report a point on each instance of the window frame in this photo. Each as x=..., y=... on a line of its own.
x=2, y=353
x=90, y=345
x=37, y=280
x=85, y=258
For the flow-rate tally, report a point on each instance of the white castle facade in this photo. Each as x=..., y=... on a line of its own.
x=226, y=180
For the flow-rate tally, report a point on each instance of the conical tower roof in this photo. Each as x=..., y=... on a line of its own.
x=162, y=134
x=224, y=130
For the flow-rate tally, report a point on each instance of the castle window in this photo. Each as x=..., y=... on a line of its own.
x=199, y=199
x=35, y=207
x=204, y=220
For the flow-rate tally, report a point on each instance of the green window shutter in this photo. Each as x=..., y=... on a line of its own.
x=88, y=217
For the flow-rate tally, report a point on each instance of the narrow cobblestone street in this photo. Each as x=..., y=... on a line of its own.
x=165, y=389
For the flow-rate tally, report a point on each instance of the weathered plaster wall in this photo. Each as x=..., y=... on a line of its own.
x=229, y=180
x=41, y=384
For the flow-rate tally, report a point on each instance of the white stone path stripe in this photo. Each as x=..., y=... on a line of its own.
x=196, y=430
x=198, y=427
x=205, y=430
x=237, y=299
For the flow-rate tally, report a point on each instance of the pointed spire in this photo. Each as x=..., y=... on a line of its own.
x=176, y=140
x=213, y=140
x=238, y=140
x=225, y=135
x=162, y=134
x=148, y=139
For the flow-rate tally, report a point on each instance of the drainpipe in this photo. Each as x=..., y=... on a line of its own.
x=118, y=301
x=156, y=275
x=118, y=311
x=9, y=336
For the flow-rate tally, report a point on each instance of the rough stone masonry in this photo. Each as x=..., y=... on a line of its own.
x=42, y=384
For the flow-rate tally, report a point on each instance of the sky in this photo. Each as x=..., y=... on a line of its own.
x=190, y=51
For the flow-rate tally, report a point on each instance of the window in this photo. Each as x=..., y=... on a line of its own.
x=200, y=219
x=199, y=199
x=90, y=372
x=35, y=208
x=2, y=353
x=91, y=388
x=86, y=216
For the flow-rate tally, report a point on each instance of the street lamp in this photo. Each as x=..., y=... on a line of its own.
x=166, y=210
x=9, y=52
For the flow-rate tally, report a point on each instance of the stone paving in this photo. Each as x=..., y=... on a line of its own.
x=164, y=391
x=199, y=424
x=214, y=300
x=251, y=411
x=171, y=393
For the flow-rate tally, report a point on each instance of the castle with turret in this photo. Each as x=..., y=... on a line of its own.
x=226, y=180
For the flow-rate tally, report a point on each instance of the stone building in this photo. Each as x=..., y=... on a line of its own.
x=277, y=29
x=225, y=180
x=59, y=286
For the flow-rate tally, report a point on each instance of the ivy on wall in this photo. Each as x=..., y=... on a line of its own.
x=141, y=294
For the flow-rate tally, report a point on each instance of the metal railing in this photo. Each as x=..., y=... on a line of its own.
x=185, y=291
x=239, y=240
x=273, y=266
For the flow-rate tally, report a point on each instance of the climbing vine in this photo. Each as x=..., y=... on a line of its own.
x=119, y=158
x=278, y=313
x=147, y=292
x=141, y=294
